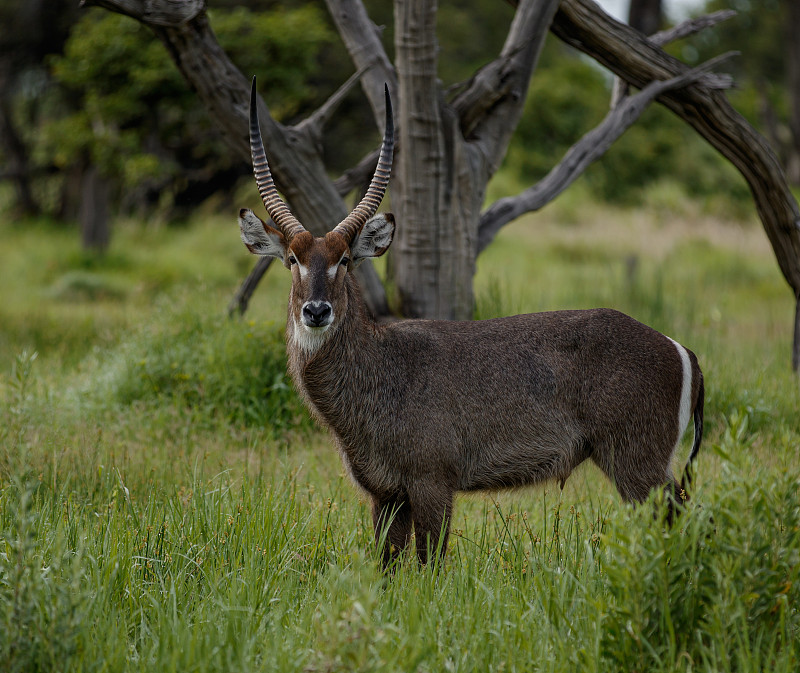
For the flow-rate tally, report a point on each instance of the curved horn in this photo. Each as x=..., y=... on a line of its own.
x=368, y=206
x=276, y=208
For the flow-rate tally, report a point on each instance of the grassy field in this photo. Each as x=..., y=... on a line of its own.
x=166, y=503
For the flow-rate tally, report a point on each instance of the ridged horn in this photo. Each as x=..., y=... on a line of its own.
x=351, y=225
x=287, y=223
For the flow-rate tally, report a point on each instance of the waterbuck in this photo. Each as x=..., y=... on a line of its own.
x=421, y=409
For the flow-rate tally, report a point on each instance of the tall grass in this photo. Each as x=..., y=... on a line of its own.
x=165, y=503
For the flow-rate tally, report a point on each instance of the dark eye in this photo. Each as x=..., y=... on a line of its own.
x=292, y=260
x=345, y=261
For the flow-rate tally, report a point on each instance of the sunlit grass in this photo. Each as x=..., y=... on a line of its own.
x=165, y=504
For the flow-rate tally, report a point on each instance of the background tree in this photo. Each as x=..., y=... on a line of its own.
x=482, y=81
x=768, y=77
x=95, y=119
x=451, y=142
x=30, y=30
x=645, y=15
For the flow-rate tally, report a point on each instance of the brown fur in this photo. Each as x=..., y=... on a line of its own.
x=421, y=409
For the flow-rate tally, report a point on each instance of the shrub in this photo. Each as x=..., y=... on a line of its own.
x=209, y=366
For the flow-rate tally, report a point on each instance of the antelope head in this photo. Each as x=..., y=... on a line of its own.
x=319, y=266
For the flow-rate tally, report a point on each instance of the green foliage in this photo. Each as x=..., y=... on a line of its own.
x=470, y=36
x=658, y=147
x=165, y=506
x=41, y=601
x=206, y=367
x=125, y=83
x=721, y=590
x=124, y=107
x=281, y=47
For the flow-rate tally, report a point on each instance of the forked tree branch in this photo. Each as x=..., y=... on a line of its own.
x=589, y=148
x=357, y=176
x=316, y=122
x=166, y=13
x=490, y=105
x=691, y=27
x=294, y=154
x=630, y=55
x=362, y=38
x=682, y=30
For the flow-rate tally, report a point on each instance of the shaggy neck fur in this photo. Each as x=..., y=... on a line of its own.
x=326, y=367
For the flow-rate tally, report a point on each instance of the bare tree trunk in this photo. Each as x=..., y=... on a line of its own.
x=793, y=85
x=433, y=252
x=94, y=211
x=448, y=153
x=631, y=56
x=645, y=16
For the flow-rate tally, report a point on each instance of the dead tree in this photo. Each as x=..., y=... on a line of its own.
x=451, y=143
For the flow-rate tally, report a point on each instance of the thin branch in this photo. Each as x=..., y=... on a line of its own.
x=358, y=175
x=678, y=32
x=362, y=38
x=164, y=13
x=491, y=104
x=240, y=301
x=691, y=27
x=320, y=117
x=589, y=148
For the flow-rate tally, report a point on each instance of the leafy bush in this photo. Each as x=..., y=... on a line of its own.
x=721, y=589
x=209, y=367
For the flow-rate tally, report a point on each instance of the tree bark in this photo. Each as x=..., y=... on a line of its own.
x=448, y=153
x=361, y=37
x=645, y=15
x=631, y=56
x=293, y=152
x=684, y=29
x=429, y=270
x=94, y=211
x=793, y=75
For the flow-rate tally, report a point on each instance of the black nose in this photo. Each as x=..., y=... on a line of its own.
x=316, y=313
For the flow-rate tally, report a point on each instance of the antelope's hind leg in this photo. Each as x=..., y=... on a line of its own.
x=432, y=510
x=392, y=521
x=635, y=479
x=636, y=473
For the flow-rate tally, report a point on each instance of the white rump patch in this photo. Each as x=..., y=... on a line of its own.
x=686, y=390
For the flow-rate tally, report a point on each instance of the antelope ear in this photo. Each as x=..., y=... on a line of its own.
x=259, y=237
x=374, y=238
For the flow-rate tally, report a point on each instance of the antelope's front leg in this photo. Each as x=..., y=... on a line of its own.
x=392, y=521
